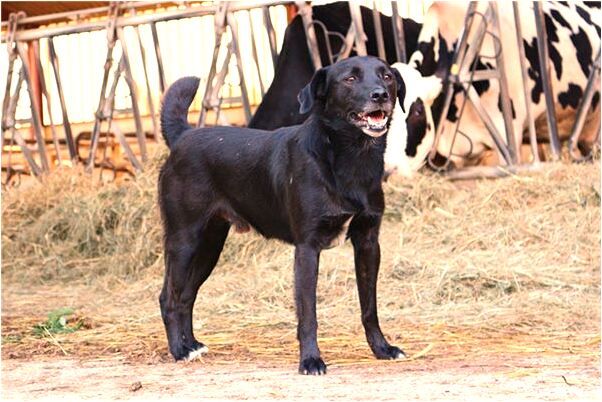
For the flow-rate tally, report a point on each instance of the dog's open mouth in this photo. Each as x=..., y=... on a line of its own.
x=373, y=123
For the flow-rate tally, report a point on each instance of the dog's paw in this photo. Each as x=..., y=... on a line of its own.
x=189, y=352
x=389, y=352
x=312, y=366
x=197, y=352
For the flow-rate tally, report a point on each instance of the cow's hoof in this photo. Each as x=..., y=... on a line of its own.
x=312, y=366
x=390, y=353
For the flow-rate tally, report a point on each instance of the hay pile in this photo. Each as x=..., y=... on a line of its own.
x=511, y=263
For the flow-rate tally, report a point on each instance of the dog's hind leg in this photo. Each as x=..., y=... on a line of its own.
x=190, y=259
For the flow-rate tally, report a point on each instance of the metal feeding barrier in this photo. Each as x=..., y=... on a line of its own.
x=118, y=16
x=355, y=39
x=477, y=26
x=463, y=73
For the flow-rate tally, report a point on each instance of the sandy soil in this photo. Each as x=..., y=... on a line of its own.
x=554, y=379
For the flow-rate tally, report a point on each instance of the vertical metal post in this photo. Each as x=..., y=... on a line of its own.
x=267, y=20
x=162, y=84
x=525, y=76
x=378, y=31
x=206, y=105
x=55, y=138
x=504, y=93
x=360, y=36
x=6, y=101
x=254, y=52
x=458, y=60
x=398, y=34
x=9, y=121
x=140, y=134
x=235, y=43
x=110, y=105
x=100, y=111
x=544, y=65
x=94, y=136
x=220, y=28
x=149, y=97
x=592, y=81
x=35, y=117
x=310, y=33
x=66, y=125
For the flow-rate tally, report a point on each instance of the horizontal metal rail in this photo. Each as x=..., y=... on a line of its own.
x=134, y=20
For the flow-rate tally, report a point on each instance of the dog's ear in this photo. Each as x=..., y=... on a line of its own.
x=316, y=89
x=401, y=88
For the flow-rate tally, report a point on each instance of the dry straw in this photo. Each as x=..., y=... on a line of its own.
x=468, y=269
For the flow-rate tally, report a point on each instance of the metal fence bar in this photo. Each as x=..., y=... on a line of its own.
x=255, y=56
x=525, y=76
x=544, y=66
x=110, y=101
x=378, y=31
x=9, y=117
x=196, y=11
x=129, y=79
x=36, y=122
x=149, y=98
x=310, y=33
x=40, y=70
x=235, y=43
x=398, y=34
x=158, y=57
x=100, y=111
x=220, y=28
x=360, y=36
x=66, y=125
x=593, y=78
x=502, y=79
x=267, y=21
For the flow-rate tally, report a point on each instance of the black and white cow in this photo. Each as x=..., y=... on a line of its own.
x=573, y=37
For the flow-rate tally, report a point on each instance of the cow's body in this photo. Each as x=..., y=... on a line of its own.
x=573, y=39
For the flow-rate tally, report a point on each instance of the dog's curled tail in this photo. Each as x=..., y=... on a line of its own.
x=174, y=112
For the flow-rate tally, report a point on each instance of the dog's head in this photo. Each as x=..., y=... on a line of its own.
x=360, y=91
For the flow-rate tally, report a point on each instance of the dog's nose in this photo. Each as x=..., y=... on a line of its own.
x=379, y=95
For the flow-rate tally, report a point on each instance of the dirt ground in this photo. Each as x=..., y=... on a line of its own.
x=492, y=288
x=553, y=379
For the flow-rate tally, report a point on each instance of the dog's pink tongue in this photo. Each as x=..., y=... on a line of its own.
x=376, y=118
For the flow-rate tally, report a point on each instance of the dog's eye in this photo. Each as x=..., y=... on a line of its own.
x=387, y=77
x=350, y=79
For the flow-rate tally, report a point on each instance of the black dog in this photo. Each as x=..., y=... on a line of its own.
x=311, y=185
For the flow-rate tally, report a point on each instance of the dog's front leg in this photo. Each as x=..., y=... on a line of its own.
x=364, y=236
x=306, y=279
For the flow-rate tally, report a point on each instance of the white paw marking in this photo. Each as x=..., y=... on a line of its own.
x=401, y=356
x=197, y=353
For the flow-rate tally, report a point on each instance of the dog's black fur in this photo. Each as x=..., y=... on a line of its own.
x=301, y=184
